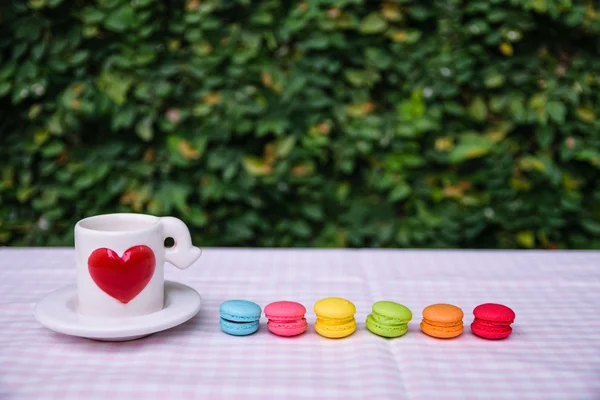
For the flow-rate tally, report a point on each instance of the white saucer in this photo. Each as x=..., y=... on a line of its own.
x=58, y=311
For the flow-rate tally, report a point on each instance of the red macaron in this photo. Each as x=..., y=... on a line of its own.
x=492, y=321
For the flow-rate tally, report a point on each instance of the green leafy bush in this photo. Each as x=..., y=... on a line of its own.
x=317, y=123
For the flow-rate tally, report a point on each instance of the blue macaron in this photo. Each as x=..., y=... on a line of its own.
x=239, y=317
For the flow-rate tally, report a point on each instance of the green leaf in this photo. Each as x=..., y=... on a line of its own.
x=315, y=42
x=24, y=193
x=141, y=168
x=55, y=124
x=163, y=88
x=102, y=170
x=545, y=135
x=90, y=31
x=38, y=50
x=201, y=109
x=470, y=146
x=256, y=166
x=123, y=119
x=400, y=192
x=301, y=228
x=589, y=155
x=313, y=211
x=181, y=151
x=284, y=146
x=115, y=85
x=591, y=226
x=412, y=109
x=262, y=18
x=275, y=126
x=355, y=76
x=178, y=195
x=144, y=129
x=420, y=11
x=478, y=27
x=586, y=114
x=4, y=88
x=92, y=15
x=229, y=172
x=372, y=23
x=34, y=111
x=53, y=148
x=36, y=4
x=494, y=80
x=142, y=3
x=412, y=36
x=144, y=57
x=478, y=109
x=575, y=18
x=85, y=180
x=120, y=19
x=557, y=111
x=526, y=239
x=529, y=163
x=197, y=216
x=539, y=5
x=79, y=57
x=7, y=70
x=361, y=78
x=48, y=199
x=497, y=15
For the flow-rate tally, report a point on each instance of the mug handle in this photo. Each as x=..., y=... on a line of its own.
x=183, y=253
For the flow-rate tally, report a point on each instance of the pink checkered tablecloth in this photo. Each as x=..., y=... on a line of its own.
x=554, y=352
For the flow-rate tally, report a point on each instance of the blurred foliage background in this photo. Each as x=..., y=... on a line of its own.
x=329, y=123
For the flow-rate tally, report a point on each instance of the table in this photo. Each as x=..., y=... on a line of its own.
x=553, y=353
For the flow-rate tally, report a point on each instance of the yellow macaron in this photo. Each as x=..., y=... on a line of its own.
x=335, y=317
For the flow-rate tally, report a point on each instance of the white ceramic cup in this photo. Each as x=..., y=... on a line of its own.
x=120, y=262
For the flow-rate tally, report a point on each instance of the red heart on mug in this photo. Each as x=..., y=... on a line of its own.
x=124, y=277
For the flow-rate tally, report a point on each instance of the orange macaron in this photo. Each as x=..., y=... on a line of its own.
x=443, y=321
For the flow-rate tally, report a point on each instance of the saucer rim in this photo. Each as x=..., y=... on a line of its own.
x=117, y=332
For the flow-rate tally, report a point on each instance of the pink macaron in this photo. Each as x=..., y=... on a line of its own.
x=286, y=318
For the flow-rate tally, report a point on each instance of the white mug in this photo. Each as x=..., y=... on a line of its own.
x=120, y=262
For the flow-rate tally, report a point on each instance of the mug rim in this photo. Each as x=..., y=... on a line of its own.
x=80, y=225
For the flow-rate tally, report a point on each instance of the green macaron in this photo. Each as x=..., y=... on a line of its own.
x=389, y=319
